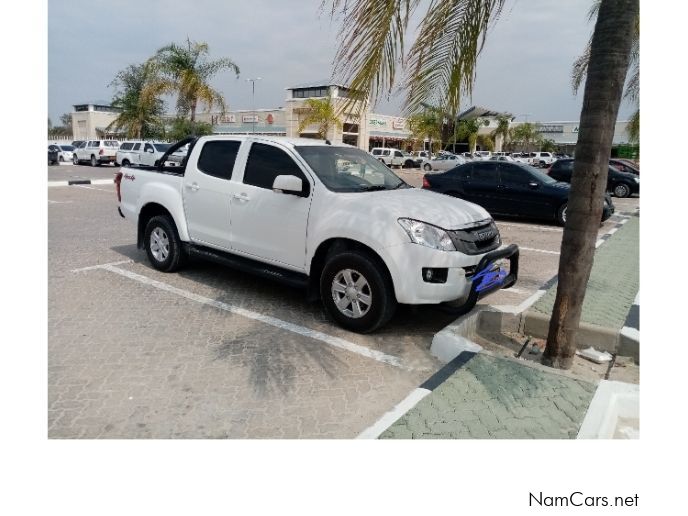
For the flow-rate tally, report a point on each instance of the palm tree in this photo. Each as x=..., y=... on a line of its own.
x=186, y=71
x=501, y=133
x=139, y=112
x=322, y=113
x=440, y=68
x=426, y=124
x=468, y=130
x=526, y=135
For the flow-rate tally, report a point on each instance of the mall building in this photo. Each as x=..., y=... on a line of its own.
x=90, y=121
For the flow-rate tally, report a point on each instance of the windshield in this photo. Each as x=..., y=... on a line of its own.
x=347, y=169
x=162, y=147
x=539, y=175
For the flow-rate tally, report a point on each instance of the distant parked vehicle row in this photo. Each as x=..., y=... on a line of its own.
x=140, y=152
x=621, y=184
x=393, y=157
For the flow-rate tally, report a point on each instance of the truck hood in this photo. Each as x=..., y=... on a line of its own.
x=434, y=208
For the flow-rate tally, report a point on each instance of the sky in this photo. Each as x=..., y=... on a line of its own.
x=524, y=68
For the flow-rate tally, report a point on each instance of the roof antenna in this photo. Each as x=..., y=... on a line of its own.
x=328, y=142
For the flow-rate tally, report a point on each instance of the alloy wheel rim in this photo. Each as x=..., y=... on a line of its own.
x=621, y=191
x=159, y=244
x=351, y=293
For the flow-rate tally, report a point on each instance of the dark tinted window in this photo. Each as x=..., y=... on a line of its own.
x=266, y=162
x=486, y=171
x=136, y=146
x=217, y=158
x=398, y=154
x=514, y=175
x=562, y=170
x=461, y=172
x=125, y=146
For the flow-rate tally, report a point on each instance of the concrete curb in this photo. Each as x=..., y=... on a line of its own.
x=77, y=182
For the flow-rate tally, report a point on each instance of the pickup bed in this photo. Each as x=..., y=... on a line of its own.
x=329, y=218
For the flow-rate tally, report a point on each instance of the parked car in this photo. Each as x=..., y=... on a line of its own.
x=624, y=166
x=66, y=153
x=521, y=157
x=76, y=143
x=483, y=155
x=140, y=152
x=511, y=189
x=621, y=184
x=423, y=248
x=502, y=158
x=53, y=153
x=541, y=159
x=444, y=162
x=96, y=152
x=393, y=157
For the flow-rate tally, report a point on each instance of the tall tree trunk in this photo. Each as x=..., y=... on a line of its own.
x=193, y=110
x=609, y=58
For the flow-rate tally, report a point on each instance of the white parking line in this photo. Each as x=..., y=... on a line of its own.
x=50, y=201
x=101, y=266
x=529, y=226
x=388, y=418
x=272, y=321
x=87, y=187
x=537, y=250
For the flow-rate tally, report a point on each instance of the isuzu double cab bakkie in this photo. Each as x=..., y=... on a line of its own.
x=329, y=218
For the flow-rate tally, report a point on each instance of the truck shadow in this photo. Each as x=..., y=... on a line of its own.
x=275, y=357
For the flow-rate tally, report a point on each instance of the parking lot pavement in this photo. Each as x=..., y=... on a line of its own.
x=211, y=352
x=208, y=352
x=72, y=172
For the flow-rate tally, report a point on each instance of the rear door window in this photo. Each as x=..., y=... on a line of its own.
x=137, y=146
x=217, y=158
x=513, y=175
x=485, y=172
x=148, y=147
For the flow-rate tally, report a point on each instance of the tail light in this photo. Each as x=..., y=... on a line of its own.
x=426, y=183
x=118, y=182
x=101, y=152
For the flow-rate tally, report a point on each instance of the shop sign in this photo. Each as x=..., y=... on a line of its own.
x=250, y=119
x=375, y=121
x=269, y=119
x=398, y=124
x=228, y=119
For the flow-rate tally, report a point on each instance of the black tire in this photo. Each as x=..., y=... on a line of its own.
x=61, y=159
x=174, y=257
x=125, y=163
x=378, y=287
x=427, y=167
x=621, y=190
x=94, y=161
x=75, y=159
x=409, y=164
x=561, y=214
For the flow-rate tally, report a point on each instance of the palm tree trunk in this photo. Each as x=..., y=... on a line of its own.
x=193, y=110
x=609, y=58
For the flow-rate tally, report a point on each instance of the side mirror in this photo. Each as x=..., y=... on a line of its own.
x=288, y=185
x=150, y=150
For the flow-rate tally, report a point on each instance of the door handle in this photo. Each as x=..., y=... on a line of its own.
x=193, y=186
x=241, y=197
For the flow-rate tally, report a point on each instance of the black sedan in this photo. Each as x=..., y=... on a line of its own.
x=53, y=151
x=621, y=184
x=511, y=189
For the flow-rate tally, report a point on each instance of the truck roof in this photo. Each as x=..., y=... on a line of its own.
x=277, y=139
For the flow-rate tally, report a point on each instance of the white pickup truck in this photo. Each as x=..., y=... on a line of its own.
x=329, y=218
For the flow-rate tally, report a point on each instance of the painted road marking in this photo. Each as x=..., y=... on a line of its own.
x=94, y=267
x=91, y=188
x=388, y=418
x=272, y=321
x=530, y=226
x=537, y=250
x=50, y=201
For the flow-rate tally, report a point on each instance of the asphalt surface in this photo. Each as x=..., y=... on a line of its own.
x=210, y=352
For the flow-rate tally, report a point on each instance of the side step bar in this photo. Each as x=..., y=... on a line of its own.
x=287, y=277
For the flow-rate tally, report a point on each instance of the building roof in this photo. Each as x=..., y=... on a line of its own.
x=479, y=111
x=322, y=83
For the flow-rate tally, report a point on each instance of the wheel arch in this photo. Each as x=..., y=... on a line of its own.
x=337, y=245
x=150, y=210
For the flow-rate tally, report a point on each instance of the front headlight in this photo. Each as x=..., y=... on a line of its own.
x=636, y=179
x=427, y=235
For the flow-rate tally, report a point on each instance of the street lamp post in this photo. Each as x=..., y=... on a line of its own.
x=253, y=99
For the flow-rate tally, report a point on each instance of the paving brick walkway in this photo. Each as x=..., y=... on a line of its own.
x=614, y=280
x=495, y=398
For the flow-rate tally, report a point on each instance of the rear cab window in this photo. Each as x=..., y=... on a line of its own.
x=217, y=158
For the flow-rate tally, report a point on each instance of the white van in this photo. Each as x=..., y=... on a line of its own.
x=140, y=152
x=393, y=157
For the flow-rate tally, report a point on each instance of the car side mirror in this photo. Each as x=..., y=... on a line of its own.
x=288, y=185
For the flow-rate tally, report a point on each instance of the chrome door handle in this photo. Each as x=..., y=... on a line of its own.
x=241, y=197
x=193, y=186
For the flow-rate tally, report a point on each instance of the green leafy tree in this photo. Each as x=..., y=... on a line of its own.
x=140, y=110
x=486, y=142
x=468, y=130
x=440, y=67
x=526, y=135
x=182, y=127
x=501, y=132
x=547, y=145
x=321, y=112
x=186, y=71
x=427, y=124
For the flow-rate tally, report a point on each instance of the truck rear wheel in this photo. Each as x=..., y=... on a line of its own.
x=163, y=245
x=357, y=291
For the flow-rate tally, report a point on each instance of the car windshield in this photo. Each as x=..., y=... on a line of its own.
x=66, y=147
x=347, y=169
x=539, y=175
x=162, y=147
x=110, y=143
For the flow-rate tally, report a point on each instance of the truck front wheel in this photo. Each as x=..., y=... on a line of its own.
x=357, y=292
x=163, y=245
